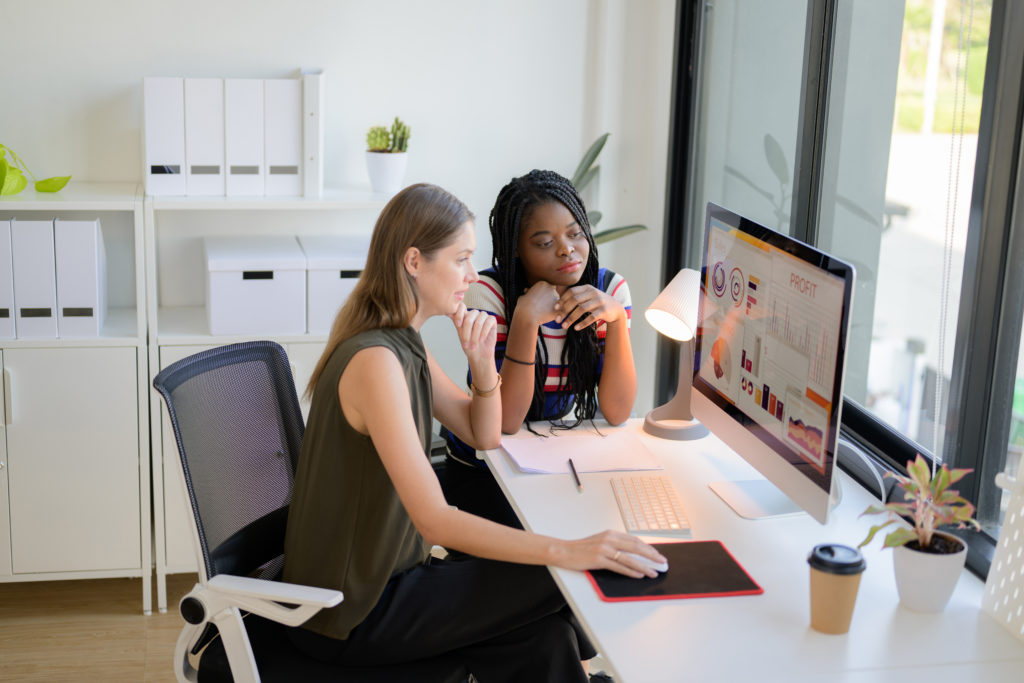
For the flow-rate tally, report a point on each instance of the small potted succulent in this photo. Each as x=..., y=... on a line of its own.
x=386, y=156
x=928, y=562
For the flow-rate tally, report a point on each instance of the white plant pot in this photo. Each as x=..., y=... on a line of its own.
x=387, y=170
x=925, y=581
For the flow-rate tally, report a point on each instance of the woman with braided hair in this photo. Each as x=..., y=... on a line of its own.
x=563, y=348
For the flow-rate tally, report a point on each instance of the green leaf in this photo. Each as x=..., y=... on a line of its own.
x=958, y=473
x=899, y=537
x=894, y=508
x=55, y=184
x=776, y=158
x=615, y=233
x=3, y=168
x=14, y=182
x=941, y=481
x=587, y=160
x=919, y=472
x=587, y=177
x=22, y=181
x=874, y=530
x=594, y=217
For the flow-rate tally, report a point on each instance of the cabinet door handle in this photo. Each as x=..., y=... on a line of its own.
x=8, y=408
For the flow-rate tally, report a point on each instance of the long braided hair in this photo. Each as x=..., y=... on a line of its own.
x=514, y=204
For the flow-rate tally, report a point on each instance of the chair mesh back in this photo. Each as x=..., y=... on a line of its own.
x=237, y=423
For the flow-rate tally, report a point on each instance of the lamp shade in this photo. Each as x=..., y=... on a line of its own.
x=674, y=312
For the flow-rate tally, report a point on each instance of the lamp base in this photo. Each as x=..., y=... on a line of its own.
x=669, y=428
x=674, y=420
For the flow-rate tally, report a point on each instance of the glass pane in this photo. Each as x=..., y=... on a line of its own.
x=749, y=109
x=1015, y=441
x=900, y=145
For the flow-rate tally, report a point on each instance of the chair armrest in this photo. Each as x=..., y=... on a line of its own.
x=292, y=593
x=220, y=601
x=223, y=592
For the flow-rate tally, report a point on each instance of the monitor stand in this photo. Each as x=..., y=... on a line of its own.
x=761, y=499
x=755, y=498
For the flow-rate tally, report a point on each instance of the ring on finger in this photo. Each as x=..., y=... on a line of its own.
x=615, y=558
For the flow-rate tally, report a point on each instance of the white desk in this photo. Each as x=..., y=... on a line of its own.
x=761, y=637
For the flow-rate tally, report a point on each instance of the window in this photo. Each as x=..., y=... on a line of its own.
x=887, y=134
x=901, y=136
x=749, y=110
x=1015, y=440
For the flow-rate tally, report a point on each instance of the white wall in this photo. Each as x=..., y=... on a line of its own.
x=489, y=89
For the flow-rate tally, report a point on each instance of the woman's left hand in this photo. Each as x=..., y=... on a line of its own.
x=585, y=305
x=478, y=332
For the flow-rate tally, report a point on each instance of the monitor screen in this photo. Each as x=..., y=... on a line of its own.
x=770, y=351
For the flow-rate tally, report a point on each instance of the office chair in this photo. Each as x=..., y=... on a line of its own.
x=236, y=420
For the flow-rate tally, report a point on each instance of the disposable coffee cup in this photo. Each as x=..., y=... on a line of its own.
x=835, y=578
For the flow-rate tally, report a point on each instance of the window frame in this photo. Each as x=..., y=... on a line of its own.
x=991, y=312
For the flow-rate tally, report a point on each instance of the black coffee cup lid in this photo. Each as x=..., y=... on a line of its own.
x=836, y=559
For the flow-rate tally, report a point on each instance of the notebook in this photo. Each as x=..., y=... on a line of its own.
x=696, y=569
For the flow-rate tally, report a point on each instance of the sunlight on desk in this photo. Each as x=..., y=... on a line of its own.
x=759, y=637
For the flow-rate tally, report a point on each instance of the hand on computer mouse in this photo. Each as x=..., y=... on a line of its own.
x=611, y=550
x=660, y=567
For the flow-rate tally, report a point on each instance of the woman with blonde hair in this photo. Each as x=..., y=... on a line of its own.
x=367, y=505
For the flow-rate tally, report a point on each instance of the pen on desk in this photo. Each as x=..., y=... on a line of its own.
x=575, y=476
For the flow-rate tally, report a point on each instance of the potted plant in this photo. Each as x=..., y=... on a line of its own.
x=386, y=156
x=585, y=172
x=928, y=562
x=12, y=175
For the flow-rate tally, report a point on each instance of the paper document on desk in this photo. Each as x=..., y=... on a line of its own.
x=610, y=450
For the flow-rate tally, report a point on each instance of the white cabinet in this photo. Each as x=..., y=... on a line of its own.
x=74, y=465
x=175, y=228
x=5, y=517
x=178, y=544
x=81, y=424
x=72, y=459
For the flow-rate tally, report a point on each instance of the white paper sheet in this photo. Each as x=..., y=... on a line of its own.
x=617, y=449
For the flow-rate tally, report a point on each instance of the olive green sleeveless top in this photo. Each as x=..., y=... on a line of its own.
x=347, y=529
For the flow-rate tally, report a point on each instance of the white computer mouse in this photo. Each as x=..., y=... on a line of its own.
x=661, y=567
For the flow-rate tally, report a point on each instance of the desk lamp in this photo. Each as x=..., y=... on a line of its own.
x=674, y=314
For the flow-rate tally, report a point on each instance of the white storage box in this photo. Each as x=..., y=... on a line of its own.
x=7, y=311
x=81, y=277
x=35, y=282
x=255, y=285
x=334, y=264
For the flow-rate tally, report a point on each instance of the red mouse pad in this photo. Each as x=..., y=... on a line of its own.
x=696, y=569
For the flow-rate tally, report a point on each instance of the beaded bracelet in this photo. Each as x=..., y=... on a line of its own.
x=521, y=362
x=485, y=394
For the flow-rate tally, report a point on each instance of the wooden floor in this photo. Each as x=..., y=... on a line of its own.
x=87, y=631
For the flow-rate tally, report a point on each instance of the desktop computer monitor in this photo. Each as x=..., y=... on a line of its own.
x=768, y=361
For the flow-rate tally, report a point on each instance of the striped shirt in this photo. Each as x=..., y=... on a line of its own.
x=486, y=295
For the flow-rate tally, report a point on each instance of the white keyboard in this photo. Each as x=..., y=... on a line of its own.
x=649, y=504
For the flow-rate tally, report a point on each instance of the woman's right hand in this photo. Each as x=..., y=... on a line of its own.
x=608, y=550
x=539, y=303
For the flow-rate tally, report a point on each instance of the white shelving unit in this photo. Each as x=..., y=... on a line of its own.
x=74, y=447
x=175, y=301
